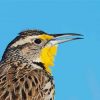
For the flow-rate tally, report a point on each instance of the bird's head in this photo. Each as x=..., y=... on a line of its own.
x=38, y=46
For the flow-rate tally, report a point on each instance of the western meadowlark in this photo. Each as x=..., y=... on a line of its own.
x=25, y=66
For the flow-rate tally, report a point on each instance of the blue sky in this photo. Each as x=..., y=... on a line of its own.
x=77, y=64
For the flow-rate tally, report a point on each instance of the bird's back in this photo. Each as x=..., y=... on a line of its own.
x=19, y=82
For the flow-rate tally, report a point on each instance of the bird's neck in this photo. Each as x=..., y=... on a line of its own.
x=14, y=56
x=45, y=57
x=17, y=55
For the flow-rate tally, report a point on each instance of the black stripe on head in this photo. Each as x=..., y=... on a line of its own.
x=22, y=35
x=31, y=32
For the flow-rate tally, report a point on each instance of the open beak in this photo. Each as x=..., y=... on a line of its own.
x=61, y=38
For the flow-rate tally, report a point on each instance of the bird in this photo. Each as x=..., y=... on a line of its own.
x=25, y=67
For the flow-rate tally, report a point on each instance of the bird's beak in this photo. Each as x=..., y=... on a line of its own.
x=61, y=38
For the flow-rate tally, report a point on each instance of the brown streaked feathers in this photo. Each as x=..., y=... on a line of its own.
x=22, y=79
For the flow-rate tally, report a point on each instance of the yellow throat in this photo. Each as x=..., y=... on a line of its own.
x=48, y=53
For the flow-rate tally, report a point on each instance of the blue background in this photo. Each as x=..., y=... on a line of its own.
x=77, y=64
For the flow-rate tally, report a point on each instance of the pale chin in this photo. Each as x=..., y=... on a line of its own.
x=36, y=60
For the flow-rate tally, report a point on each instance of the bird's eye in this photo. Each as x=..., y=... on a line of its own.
x=37, y=41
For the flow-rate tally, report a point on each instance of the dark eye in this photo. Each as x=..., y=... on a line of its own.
x=37, y=41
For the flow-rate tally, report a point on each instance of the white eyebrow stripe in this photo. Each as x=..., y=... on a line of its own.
x=23, y=41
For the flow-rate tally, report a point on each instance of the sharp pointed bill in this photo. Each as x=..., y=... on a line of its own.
x=61, y=38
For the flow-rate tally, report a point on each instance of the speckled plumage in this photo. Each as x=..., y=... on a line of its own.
x=22, y=79
x=25, y=83
x=24, y=67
